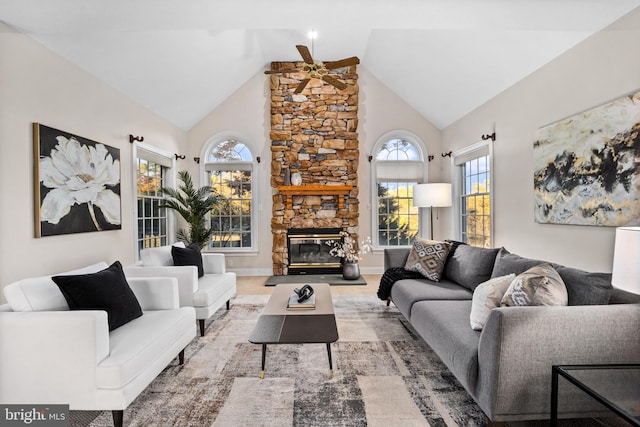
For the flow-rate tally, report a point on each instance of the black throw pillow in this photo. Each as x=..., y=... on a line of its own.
x=188, y=256
x=106, y=290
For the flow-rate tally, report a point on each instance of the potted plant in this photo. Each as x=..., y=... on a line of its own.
x=193, y=205
x=350, y=254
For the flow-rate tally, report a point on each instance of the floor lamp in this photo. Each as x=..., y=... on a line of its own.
x=626, y=256
x=432, y=195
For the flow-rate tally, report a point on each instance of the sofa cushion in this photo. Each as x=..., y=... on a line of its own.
x=507, y=263
x=106, y=290
x=486, y=297
x=41, y=293
x=136, y=344
x=407, y=292
x=586, y=288
x=583, y=288
x=539, y=285
x=427, y=257
x=444, y=325
x=188, y=256
x=155, y=257
x=211, y=287
x=470, y=265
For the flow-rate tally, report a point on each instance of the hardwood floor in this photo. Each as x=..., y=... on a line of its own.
x=254, y=285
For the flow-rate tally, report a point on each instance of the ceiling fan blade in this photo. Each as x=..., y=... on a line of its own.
x=274, y=72
x=335, y=82
x=302, y=85
x=304, y=52
x=342, y=63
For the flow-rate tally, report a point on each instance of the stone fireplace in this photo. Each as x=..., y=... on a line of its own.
x=314, y=134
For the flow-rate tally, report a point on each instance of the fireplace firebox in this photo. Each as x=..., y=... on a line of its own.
x=309, y=251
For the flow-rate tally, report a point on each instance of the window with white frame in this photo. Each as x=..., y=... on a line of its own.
x=152, y=222
x=229, y=168
x=398, y=165
x=474, y=173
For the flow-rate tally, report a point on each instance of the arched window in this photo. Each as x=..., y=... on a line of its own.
x=229, y=170
x=398, y=165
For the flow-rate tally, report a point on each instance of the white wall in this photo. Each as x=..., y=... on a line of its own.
x=600, y=69
x=39, y=86
x=246, y=112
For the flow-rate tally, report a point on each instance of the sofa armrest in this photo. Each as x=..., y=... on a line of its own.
x=187, y=277
x=213, y=263
x=395, y=257
x=518, y=346
x=156, y=293
x=51, y=356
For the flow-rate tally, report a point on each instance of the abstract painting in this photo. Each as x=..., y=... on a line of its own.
x=76, y=183
x=587, y=167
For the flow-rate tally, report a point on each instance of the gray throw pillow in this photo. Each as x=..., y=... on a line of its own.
x=586, y=288
x=507, y=263
x=470, y=265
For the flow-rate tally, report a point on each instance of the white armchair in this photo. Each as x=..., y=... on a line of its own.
x=58, y=356
x=206, y=294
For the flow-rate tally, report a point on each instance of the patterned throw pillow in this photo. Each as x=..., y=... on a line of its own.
x=539, y=285
x=428, y=257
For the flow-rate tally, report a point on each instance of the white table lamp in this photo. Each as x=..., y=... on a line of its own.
x=432, y=195
x=626, y=259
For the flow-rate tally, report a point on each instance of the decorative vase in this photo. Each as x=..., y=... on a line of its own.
x=350, y=270
x=296, y=179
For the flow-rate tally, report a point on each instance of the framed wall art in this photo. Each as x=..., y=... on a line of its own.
x=587, y=167
x=76, y=183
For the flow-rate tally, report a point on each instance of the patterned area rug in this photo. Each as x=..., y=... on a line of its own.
x=384, y=375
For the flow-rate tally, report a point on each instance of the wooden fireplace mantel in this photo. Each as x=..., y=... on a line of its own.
x=315, y=190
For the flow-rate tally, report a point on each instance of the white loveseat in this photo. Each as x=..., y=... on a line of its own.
x=52, y=355
x=206, y=294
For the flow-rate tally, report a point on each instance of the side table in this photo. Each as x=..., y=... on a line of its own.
x=615, y=386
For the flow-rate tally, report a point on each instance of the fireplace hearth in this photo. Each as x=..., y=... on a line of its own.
x=309, y=251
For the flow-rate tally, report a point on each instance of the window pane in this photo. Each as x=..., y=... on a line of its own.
x=398, y=219
x=231, y=219
x=476, y=202
x=152, y=221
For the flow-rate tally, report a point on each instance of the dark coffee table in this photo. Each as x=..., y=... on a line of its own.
x=277, y=325
x=617, y=387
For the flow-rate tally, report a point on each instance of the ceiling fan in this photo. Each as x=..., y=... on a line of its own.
x=317, y=69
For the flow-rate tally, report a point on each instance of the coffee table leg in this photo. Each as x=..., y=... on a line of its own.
x=330, y=362
x=264, y=354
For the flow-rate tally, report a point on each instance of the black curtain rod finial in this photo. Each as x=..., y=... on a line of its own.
x=491, y=137
x=447, y=154
x=181, y=157
x=135, y=138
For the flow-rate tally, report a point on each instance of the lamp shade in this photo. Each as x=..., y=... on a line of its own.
x=626, y=259
x=432, y=195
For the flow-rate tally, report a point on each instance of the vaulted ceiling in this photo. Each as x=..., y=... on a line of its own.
x=182, y=58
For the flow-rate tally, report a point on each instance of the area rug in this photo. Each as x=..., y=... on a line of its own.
x=384, y=375
x=332, y=279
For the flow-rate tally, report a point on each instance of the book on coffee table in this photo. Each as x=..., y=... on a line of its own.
x=307, y=304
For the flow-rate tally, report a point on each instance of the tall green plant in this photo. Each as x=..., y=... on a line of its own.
x=193, y=205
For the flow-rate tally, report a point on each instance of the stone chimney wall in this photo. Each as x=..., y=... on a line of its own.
x=313, y=133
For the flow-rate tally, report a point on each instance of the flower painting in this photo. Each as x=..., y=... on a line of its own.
x=77, y=183
x=587, y=167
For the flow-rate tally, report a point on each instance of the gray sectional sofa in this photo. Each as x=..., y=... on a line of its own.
x=506, y=367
